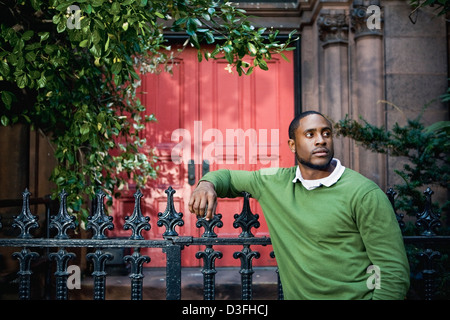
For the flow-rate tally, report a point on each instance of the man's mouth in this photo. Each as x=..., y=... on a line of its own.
x=320, y=152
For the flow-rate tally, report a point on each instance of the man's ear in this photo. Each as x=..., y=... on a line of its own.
x=291, y=143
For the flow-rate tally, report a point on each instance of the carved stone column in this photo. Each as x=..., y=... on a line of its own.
x=333, y=26
x=366, y=18
x=369, y=85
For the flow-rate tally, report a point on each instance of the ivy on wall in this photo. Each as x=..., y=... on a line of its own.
x=70, y=70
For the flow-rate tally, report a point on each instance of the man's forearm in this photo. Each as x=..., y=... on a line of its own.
x=220, y=179
x=231, y=183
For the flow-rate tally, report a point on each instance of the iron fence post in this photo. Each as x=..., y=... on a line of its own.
x=173, y=272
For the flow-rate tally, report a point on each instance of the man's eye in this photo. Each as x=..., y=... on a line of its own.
x=327, y=134
x=309, y=135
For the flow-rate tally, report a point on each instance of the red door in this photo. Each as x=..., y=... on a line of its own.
x=204, y=113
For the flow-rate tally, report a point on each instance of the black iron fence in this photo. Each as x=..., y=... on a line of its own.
x=429, y=271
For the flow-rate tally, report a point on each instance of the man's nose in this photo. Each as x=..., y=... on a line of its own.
x=320, y=140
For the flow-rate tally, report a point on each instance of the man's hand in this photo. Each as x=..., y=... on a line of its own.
x=204, y=196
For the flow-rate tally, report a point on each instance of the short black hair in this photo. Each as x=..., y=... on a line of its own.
x=295, y=123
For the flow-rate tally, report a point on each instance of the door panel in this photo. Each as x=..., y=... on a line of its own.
x=170, y=97
x=245, y=121
x=204, y=112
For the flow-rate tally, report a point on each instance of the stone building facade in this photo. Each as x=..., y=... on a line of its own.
x=384, y=70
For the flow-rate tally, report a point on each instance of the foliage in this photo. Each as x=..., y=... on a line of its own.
x=426, y=149
x=441, y=7
x=72, y=75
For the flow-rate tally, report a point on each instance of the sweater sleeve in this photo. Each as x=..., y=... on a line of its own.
x=384, y=244
x=231, y=183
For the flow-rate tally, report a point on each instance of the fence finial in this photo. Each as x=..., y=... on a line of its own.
x=62, y=221
x=136, y=222
x=25, y=221
x=428, y=219
x=246, y=219
x=209, y=225
x=99, y=222
x=170, y=217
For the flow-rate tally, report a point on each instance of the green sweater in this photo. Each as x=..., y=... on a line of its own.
x=325, y=239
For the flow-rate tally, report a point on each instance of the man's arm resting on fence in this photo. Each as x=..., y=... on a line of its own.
x=224, y=184
x=203, y=196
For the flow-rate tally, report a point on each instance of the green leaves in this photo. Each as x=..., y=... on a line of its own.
x=426, y=150
x=440, y=7
x=76, y=80
x=229, y=28
x=4, y=68
x=7, y=98
x=116, y=67
x=252, y=48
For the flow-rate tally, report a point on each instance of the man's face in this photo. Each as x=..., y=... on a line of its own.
x=313, y=144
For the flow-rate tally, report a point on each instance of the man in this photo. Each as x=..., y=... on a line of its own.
x=333, y=231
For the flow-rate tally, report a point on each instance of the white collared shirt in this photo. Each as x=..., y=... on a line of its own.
x=327, y=181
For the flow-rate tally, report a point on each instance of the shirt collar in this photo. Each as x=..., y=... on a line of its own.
x=327, y=181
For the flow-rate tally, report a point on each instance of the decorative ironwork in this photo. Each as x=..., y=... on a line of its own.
x=209, y=270
x=62, y=258
x=100, y=221
x=209, y=225
x=137, y=261
x=428, y=257
x=62, y=221
x=170, y=218
x=173, y=272
x=209, y=255
x=246, y=256
x=25, y=256
x=246, y=219
x=25, y=221
x=137, y=222
x=99, y=259
x=172, y=247
x=391, y=196
x=428, y=220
